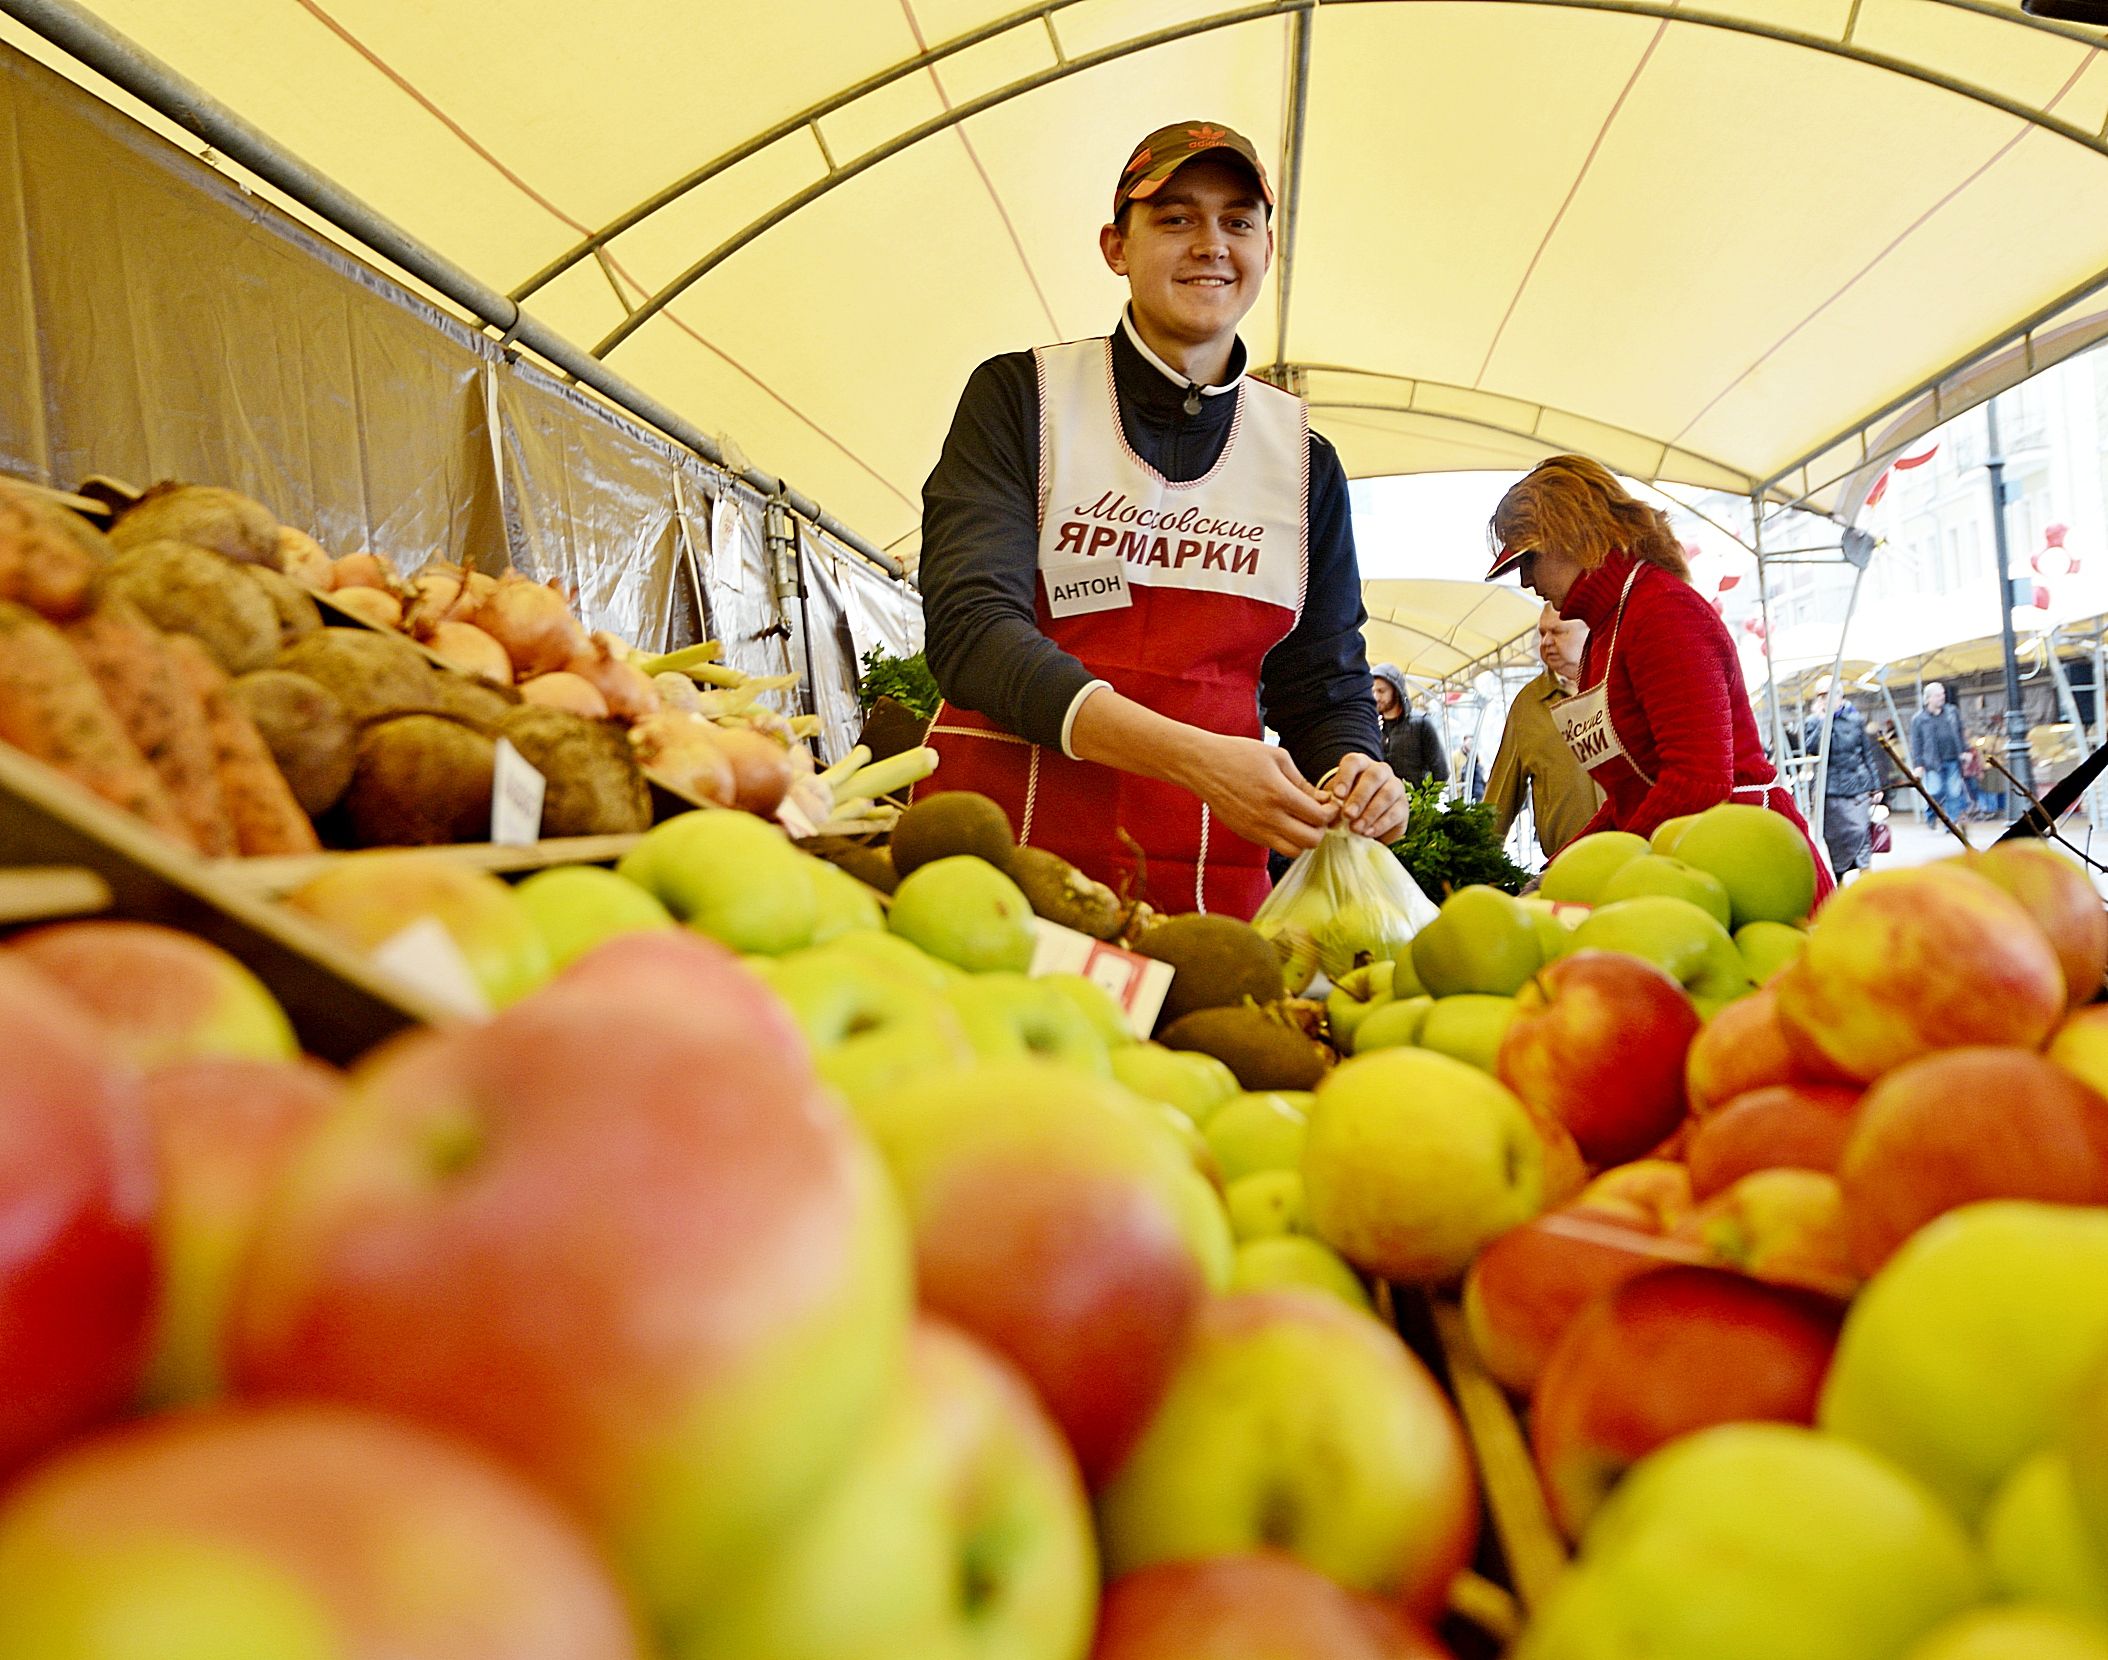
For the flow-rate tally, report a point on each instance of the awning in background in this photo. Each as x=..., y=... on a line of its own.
x=1436, y=630
x=1747, y=245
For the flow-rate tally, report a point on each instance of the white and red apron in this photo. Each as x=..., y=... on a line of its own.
x=1172, y=594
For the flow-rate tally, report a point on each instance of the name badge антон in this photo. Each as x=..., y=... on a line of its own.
x=1075, y=586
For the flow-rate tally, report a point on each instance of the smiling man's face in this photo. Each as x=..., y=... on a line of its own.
x=1194, y=254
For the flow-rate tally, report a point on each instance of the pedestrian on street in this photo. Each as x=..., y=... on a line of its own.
x=1937, y=745
x=1410, y=742
x=1851, y=783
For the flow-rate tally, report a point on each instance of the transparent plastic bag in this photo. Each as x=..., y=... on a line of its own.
x=1347, y=901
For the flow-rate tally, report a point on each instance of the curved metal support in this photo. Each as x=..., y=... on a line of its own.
x=1291, y=181
x=1664, y=10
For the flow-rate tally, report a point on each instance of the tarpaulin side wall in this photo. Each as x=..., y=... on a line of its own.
x=159, y=321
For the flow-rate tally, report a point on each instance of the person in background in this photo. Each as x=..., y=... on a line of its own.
x=1852, y=783
x=1936, y=747
x=1410, y=742
x=1533, y=760
x=1989, y=785
x=1662, y=720
x=1471, y=776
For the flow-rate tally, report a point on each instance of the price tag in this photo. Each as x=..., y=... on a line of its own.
x=516, y=792
x=1137, y=983
x=727, y=561
x=426, y=956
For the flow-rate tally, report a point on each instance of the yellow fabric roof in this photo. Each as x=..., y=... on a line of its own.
x=1436, y=630
x=1735, y=245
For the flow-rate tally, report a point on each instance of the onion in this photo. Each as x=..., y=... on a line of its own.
x=370, y=605
x=567, y=692
x=677, y=691
x=532, y=623
x=631, y=695
x=683, y=752
x=466, y=647
x=761, y=769
x=438, y=594
x=366, y=570
x=301, y=557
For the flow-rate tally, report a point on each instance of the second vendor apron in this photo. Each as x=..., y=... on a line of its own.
x=1584, y=721
x=1172, y=594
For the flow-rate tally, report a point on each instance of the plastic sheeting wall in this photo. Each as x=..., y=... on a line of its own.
x=157, y=321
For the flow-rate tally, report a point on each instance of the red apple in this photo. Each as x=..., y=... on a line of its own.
x=1782, y=1126
x=1565, y=1171
x=1908, y=961
x=2052, y=888
x=1047, y=1223
x=1743, y=1047
x=76, y=1220
x=297, y=1531
x=159, y=994
x=1963, y=1125
x=1674, y=1351
x=1258, y=1607
x=624, y=1241
x=1654, y=1194
x=225, y=1130
x=1786, y=1226
x=1600, y=1038
x=1527, y=1286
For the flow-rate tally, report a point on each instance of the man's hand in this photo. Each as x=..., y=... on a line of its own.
x=1254, y=789
x=1372, y=800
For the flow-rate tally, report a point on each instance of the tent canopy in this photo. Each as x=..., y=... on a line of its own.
x=1752, y=245
x=1436, y=630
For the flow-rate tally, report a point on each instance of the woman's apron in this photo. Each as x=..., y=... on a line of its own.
x=1172, y=594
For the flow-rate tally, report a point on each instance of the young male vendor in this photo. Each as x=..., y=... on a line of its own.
x=1133, y=555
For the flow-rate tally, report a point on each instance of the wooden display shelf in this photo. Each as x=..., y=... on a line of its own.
x=56, y=838
x=269, y=878
x=50, y=893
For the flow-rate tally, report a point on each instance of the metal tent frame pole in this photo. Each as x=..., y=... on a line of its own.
x=154, y=83
x=1771, y=673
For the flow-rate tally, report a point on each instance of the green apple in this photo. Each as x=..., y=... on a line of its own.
x=958, y=1528
x=1405, y=979
x=1395, y=1025
x=1481, y=940
x=1969, y=1348
x=1669, y=832
x=967, y=912
x=1099, y=1007
x=1204, y=1224
x=2037, y=1542
x=1769, y=947
x=1759, y=1542
x=842, y=904
x=1583, y=866
x=869, y=1030
x=1760, y=857
x=2015, y=1634
x=891, y=954
x=1555, y=931
x=2086, y=1445
x=1298, y=1425
x=1656, y=873
x=1266, y=1204
x=1008, y=1015
x=1262, y=1130
x=575, y=907
x=1288, y=1261
x=1354, y=997
x=1674, y=935
x=1468, y=1028
x=1196, y=1084
x=1414, y=1161
x=729, y=875
x=1187, y=1134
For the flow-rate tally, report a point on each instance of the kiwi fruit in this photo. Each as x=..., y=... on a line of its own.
x=466, y=698
x=595, y=787
x=421, y=781
x=298, y=615
x=226, y=521
x=373, y=675
x=310, y=735
x=1062, y=893
x=191, y=590
x=951, y=822
x=1216, y=961
x=1262, y=1051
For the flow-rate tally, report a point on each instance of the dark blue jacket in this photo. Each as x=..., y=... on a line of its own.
x=1853, y=769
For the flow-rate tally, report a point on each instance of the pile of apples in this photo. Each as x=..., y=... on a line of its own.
x=1792, y=1234
x=769, y=1278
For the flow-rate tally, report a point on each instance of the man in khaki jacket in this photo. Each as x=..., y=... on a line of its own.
x=1533, y=758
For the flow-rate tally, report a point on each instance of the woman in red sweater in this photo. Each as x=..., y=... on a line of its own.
x=1662, y=721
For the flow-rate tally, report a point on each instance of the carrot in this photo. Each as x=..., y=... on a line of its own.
x=157, y=707
x=51, y=708
x=259, y=801
x=45, y=557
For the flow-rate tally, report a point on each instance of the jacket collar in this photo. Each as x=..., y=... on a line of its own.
x=1156, y=389
x=1594, y=596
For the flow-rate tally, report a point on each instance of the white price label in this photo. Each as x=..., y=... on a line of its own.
x=727, y=556
x=516, y=792
x=1137, y=983
x=426, y=956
